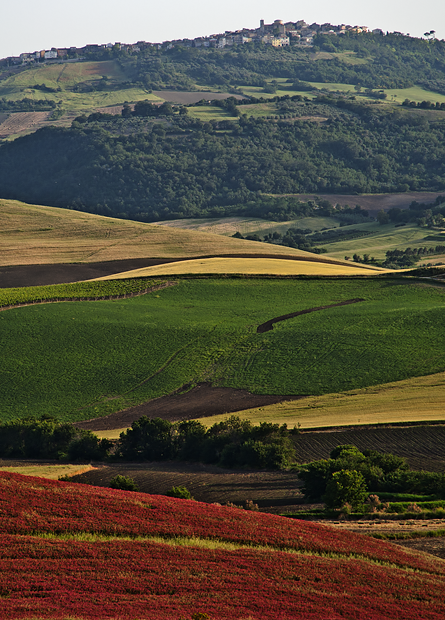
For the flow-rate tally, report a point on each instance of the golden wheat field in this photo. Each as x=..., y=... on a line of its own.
x=416, y=399
x=250, y=266
x=34, y=234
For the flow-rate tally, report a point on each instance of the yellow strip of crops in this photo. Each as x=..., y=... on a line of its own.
x=46, y=470
x=257, y=266
x=412, y=400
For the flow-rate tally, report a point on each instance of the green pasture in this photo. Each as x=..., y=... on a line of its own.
x=210, y=113
x=66, y=76
x=384, y=237
x=79, y=360
x=415, y=93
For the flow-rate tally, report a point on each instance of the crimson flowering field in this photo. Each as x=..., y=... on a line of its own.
x=145, y=580
x=334, y=575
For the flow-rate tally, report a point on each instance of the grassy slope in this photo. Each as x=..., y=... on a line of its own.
x=101, y=549
x=383, y=238
x=85, y=359
x=68, y=75
x=394, y=95
x=33, y=234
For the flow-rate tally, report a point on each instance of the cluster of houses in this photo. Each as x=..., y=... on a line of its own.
x=277, y=34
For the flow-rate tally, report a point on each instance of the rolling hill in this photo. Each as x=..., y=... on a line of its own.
x=77, y=550
x=93, y=358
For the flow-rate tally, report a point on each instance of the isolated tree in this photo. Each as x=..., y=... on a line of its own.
x=346, y=487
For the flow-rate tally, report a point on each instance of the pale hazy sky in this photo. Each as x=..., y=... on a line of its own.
x=29, y=25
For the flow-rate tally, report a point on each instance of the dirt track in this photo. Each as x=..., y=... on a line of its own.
x=268, y=325
x=201, y=401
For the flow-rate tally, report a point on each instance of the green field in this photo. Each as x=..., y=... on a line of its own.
x=85, y=359
x=68, y=77
x=76, y=290
x=383, y=238
x=210, y=113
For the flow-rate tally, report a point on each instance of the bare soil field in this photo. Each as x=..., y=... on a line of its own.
x=19, y=123
x=422, y=445
x=18, y=276
x=188, y=97
x=272, y=491
x=203, y=400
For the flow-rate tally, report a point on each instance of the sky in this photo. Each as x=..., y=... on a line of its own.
x=27, y=26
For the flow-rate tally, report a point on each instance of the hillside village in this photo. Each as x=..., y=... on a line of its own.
x=277, y=34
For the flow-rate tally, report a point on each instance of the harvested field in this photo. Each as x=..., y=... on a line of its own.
x=32, y=234
x=51, y=470
x=19, y=123
x=261, y=265
x=203, y=400
x=416, y=399
x=188, y=97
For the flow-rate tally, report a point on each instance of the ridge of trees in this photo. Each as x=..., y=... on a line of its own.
x=176, y=166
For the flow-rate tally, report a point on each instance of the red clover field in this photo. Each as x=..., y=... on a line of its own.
x=83, y=359
x=88, y=552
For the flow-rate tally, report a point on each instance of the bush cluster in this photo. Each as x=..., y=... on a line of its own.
x=231, y=443
x=373, y=471
x=46, y=437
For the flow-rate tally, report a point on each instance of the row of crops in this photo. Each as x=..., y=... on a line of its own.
x=104, y=289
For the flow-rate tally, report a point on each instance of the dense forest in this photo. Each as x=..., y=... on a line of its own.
x=177, y=166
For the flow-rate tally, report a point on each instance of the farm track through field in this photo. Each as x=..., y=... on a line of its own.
x=268, y=325
x=151, y=289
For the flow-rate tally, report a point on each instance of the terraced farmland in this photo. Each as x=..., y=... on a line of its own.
x=83, y=360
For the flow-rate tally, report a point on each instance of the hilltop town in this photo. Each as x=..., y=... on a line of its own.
x=277, y=34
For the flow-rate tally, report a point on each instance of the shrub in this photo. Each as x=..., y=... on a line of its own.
x=124, y=483
x=179, y=493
